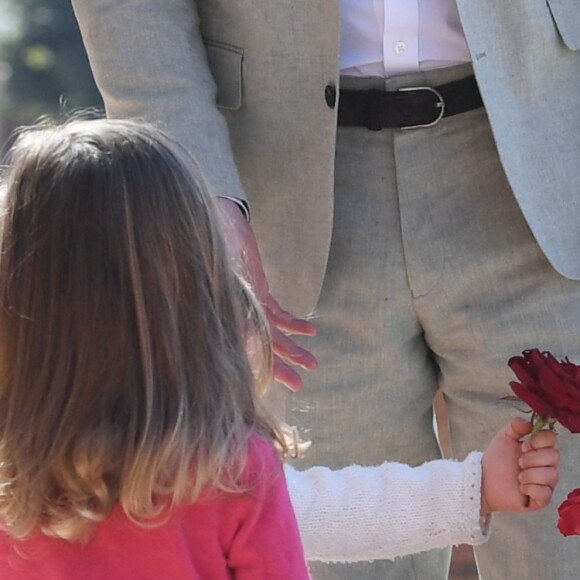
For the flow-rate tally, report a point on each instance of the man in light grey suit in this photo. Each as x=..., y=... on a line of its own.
x=429, y=255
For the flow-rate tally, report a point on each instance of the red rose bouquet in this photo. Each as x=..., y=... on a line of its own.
x=552, y=391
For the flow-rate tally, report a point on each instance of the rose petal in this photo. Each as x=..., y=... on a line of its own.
x=569, y=514
x=571, y=390
x=520, y=369
x=534, y=401
x=569, y=420
x=549, y=381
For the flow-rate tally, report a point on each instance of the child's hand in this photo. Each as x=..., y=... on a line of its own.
x=519, y=476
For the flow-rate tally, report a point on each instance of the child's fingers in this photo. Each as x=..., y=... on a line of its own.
x=517, y=428
x=543, y=439
x=539, y=496
x=545, y=476
x=548, y=456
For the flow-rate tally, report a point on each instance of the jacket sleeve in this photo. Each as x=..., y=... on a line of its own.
x=370, y=513
x=149, y=62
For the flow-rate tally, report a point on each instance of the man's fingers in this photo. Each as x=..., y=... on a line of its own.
x=287, y=349
x=286, y=375
x=290, y=325
x=285, y=321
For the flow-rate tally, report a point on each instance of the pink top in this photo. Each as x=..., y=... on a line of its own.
x=250, y=536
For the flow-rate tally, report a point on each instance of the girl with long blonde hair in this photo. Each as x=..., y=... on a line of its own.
x=133, y=442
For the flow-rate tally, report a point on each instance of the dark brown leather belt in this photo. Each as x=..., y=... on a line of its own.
x=407, y=108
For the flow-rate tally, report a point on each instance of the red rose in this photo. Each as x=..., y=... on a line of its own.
x=569, y=512
x=549, y=387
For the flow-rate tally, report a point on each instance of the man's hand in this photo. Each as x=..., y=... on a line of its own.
x=245, y=257
x=519, y=476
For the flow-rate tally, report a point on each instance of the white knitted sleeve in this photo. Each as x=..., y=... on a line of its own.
x=370, y=513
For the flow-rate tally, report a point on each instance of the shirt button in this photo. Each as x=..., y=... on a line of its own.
x=400, y=48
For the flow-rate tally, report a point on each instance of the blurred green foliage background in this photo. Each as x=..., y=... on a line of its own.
x=43, y=66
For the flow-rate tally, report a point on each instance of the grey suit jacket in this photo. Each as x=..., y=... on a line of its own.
x=268, y=66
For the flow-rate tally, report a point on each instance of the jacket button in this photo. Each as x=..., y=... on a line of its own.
x=330, y=95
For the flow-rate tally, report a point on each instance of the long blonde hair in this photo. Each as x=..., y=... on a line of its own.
x=124, y=376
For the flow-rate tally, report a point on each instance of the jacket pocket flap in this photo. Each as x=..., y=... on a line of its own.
x=566, y=15
x=225, y=62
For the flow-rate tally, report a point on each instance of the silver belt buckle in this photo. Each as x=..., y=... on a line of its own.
x=439, y=105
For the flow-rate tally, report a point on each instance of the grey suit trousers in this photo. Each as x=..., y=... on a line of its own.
x=434, y=280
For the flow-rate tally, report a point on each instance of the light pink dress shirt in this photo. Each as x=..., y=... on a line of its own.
x=392, y=37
